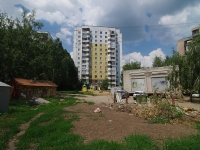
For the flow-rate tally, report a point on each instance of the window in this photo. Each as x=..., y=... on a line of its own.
x=100, y=32
x=78, y=57
x=95, y=44
x=105, y=36
x=95, y=57
x=100, y=53
x=100, y=40
x=95, y=66
x=100, y=36
x=95, y=40
x=100, y=62
x=78, y=53
x=78, y=49
x=100, y=76
x=95, y=76
x=95, y=53
x=100, y=71
x=100, y=44
x=105, y=41
x=100, y=49
x=95, y=36
x=78, y=62
x=79, y=36
x=95, y=31
x=95, y=48
x=105, y=32
x=95, y=62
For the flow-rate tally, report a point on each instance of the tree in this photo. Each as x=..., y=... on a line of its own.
x=104, y=85
x=158, y=62
x=28, y=53
x=186, y=69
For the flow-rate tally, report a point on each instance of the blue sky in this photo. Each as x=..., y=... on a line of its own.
x=149, y=27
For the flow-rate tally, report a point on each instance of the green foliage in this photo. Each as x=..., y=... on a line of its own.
x=185, y=72
x=183, y=143
x=28, y=53
x=139, y=142
x=104, y=85
x=158, y=62
x=130, y=66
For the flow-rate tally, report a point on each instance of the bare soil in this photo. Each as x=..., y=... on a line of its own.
x=112, y=125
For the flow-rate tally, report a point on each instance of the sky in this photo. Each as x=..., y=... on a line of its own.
x=149, y=27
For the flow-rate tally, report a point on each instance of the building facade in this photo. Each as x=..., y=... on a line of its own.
x=182, y=45
x=148, y=80
x=97, y=53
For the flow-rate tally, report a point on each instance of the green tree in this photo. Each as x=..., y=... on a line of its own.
x=28, y=53
x=104, y=85
x=158, y=62
x=185, y=72
x=130, y=66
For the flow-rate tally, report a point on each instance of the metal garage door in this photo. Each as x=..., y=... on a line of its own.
x=138, y=84
x=159, y=84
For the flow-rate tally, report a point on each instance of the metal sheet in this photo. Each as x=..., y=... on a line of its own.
x=137, y=84
x=159, y=84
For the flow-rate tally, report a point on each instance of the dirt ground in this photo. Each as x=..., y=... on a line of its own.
x=114, y=126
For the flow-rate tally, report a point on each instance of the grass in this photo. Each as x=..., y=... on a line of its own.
x=53, y=130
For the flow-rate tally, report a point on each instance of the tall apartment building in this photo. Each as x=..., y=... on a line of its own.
x=97, y=52
x=182, y=45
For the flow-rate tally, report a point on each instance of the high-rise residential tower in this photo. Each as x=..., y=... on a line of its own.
x=97, y=52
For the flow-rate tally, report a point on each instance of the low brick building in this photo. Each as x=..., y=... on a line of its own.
x=32, y=88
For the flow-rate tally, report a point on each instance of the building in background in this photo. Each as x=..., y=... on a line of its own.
x=97, y=53
x=182, y=45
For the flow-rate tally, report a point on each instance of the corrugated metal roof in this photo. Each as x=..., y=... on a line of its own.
x=27, y=82
x=3, y=84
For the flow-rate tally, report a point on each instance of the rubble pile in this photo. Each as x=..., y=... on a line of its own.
x=162, y=109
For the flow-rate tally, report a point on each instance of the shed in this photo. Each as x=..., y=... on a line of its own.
x=32, y=88
x=4, y=96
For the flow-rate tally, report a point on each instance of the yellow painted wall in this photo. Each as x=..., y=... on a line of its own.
x=96, y=67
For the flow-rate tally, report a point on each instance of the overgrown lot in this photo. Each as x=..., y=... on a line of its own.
x=52, y=129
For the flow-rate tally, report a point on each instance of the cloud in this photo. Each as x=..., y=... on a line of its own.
x=63, y=35
x=71, y=54
x=146, y=61
x=68, y=40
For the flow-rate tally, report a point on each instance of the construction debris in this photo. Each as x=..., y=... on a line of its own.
x=97, y=110
x=162, y=110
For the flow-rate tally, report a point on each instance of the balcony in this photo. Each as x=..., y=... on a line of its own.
x=85, y=72
x=85, y=35
x=85, y=45
x=85, y=54
x=85, y=58
x=85, y=49
x=86, y=40
x=85, y=32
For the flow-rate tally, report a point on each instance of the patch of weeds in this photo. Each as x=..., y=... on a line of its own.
x=198, y=127
x=91, y=103
x=101, y=115
x=190, y=142
x=160, y=119
x=140, y=142
x=103, y=145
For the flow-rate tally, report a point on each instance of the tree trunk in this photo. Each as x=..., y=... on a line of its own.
x=190, y=96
